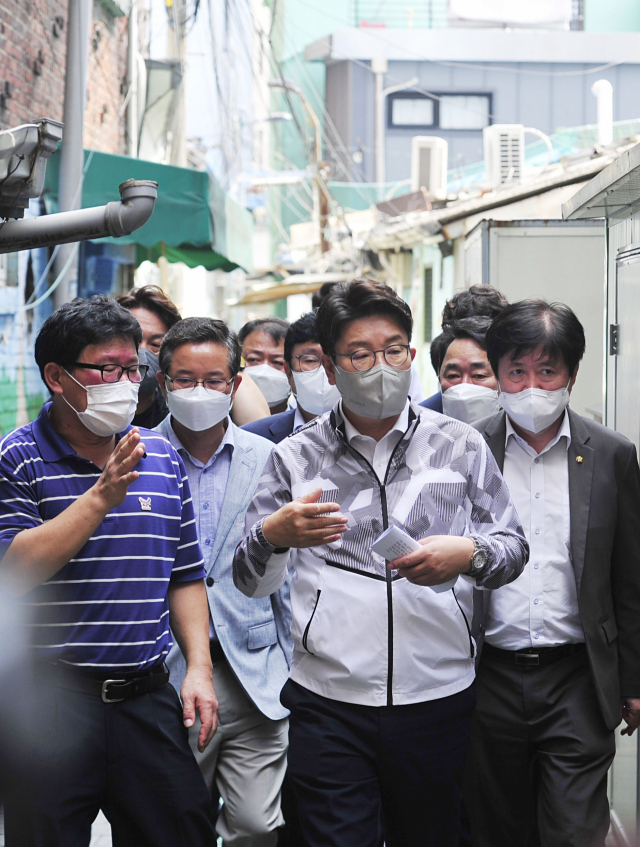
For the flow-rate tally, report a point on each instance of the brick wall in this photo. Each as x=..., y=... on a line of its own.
x=104, y=127
x=32, y=62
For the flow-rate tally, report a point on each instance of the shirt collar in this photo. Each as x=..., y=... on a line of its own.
x=52, y=447
x=401, y=425
x=563, y=432
x=298, y=420
x=228, y=440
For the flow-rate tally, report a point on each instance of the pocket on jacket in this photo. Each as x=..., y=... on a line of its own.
x=610, y=629
x=262, y=635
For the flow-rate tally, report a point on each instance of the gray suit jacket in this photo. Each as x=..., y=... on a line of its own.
x=255, y=634
x=604, y=494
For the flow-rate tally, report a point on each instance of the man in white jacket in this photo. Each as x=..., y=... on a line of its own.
x=381, y=688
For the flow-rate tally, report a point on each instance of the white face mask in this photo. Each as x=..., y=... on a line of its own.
x=380, y=392
x=273, y=383
x=314, y=392
x=198, y=408
x=111, y=406
x=534, y=409
x=468, y=402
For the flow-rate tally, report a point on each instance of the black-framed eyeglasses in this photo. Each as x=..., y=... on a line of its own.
x=185, y=383
x=308, y=363
x=395, y=355
x=113, y=373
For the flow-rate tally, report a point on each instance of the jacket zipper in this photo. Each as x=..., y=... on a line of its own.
x=388, y=579
x=466, y=623
x=305, y=635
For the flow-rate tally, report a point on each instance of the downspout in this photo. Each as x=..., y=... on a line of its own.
x=115, y=219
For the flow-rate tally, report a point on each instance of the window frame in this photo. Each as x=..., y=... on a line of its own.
x=418, y=95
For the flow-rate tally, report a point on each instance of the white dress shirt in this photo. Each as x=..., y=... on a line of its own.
x=540, y=608
x=377, y=453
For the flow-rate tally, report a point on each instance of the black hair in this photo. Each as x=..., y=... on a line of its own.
x=474, y=328
x=200, y=331
x=536, y=324
x=479, y=300
x=153, y=299
x=300, y=331
x=360, y=298
x=318, y=296
x=275, y=327
x=77, y=324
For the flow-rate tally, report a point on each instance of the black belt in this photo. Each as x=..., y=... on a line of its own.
x=216, y=651
x=113, y=690
x=532, y=657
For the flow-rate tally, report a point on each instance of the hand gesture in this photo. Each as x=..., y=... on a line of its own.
x=441, y=558
x=118, y=473
x=305, y=523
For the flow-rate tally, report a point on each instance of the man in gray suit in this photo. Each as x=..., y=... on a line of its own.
x=560, y=665
x=249, y=641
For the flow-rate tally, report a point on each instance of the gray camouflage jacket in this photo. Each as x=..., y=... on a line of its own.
x=361, y=633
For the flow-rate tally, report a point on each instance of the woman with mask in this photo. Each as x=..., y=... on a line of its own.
x=381, y=683
x=458, y=356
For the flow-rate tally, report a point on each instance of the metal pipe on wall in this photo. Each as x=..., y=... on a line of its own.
x=71, y=152
x=114, y=219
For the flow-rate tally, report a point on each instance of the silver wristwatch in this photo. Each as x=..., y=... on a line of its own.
x=478, y=559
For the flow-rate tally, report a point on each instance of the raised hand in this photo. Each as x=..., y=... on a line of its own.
x=118, y=473
x=305, y=523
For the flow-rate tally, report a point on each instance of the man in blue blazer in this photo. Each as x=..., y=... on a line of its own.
x=250, y=641
x=308, y=380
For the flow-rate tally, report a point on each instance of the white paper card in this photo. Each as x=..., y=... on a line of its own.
x=395, y=542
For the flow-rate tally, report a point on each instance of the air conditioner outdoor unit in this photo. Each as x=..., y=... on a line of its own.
x=503, y=153
x=429, y=164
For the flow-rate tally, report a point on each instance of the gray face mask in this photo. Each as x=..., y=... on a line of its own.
x=378, y=393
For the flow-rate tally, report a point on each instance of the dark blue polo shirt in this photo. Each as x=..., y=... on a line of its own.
x=106, y=610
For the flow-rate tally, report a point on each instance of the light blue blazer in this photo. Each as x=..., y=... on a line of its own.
x=255, y=634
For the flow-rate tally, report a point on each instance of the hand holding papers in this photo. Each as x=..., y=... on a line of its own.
x=395, y=542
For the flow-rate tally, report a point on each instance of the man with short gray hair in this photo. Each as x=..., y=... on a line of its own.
x=249, y=642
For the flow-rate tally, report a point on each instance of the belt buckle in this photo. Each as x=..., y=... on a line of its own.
x=529, y=659
x=105, y=697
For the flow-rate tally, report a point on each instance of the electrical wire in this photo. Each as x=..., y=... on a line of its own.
x=28, y=306
x=56, y=249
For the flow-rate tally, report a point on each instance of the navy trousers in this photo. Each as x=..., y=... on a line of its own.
x=130, y=759
x=364, y=774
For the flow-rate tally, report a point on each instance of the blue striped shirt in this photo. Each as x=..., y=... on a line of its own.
x=107, y=608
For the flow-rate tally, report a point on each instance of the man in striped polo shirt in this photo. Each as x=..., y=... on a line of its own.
x=98, y=542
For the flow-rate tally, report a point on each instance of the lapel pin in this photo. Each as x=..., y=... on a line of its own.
x=579, y=460
x=145, y=503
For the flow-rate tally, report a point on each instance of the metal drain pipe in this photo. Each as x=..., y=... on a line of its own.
x=115, y=219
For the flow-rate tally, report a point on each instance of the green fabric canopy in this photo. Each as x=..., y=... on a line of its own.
x=194, y=221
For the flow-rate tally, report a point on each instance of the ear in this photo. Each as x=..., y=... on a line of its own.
x=161, y=382
x=572, y=381
x=52, y=377
x=236, y=385
x=330, y=369
x=412, y=353
x=287, y=370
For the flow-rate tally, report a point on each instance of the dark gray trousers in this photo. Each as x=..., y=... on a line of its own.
x=539, y=749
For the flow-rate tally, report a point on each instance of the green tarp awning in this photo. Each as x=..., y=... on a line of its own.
x=194, y=221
